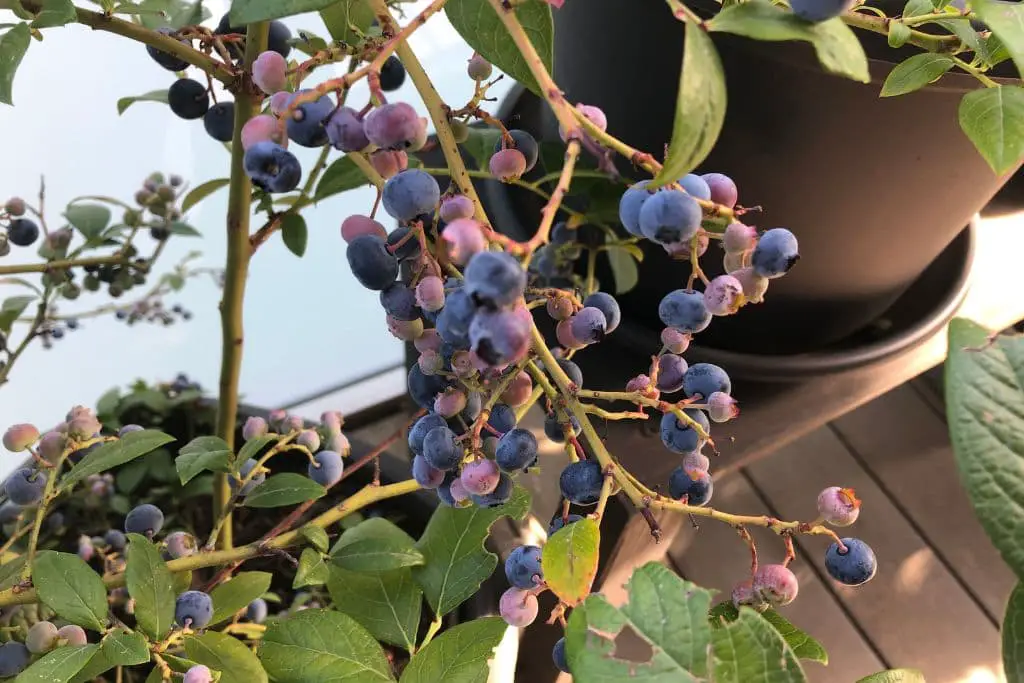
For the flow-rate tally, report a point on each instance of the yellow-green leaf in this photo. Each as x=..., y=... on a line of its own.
x=569, y=560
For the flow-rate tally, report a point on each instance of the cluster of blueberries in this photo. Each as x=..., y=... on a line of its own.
x=21, y=231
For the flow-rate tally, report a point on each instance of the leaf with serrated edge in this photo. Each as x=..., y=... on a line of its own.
x=993, y=119
x=204, y=453
x=230, y=656
x=569, y=560
x=459, y=655
x=322, y=646
x=895, y=676
x=387, y=604
x=1013, y=636
x=289, y=488
x=915, y=73
x=201, y=192
x=750, y=649
x=235, y=595
x=453, y=547
x=59, y=666
x=700, y=107
x=68, y=586
x=114, y=453
x=149, y=584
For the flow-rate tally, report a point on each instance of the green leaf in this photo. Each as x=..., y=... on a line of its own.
x=624, y=269
x=308, y=42
x=190, y=14
x=1006, y=21
x=479, y=25
x=58, y=666
x=804, y=646
x=12, y=309
x=480, y=145
x=459, y=655
x=1013, y=636
x=894, y=676
x=915, y=73
x=838, y=48
x=13, y=45
x=700, y=106
x=201, y=192
x=230, y=656
x=899, y=34
x=68, y=586
x=232, y=596
x=375, y=545
x=916, y=8
x=316, y=536
x=993, y=119
x=179, y=228
x=89, y=219
x=985, y=412
x=251, y=448
x=670, y=614
x=10, y=572
x=55, y=13
x=312, y=571
x=114, y=453
x=347, y=20
x=149, y=584
x=201, y=454
x=250, y=11
x=125, y=648
x=321, y=646
x=151, y=96
x=294, y=233
x=284, y=489
x=453, y=547
x=750, y=649
x=569, y=560
x=387, y=604
x=342, y=175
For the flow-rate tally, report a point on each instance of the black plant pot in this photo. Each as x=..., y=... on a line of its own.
x=874, y=188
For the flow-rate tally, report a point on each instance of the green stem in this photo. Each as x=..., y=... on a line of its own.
x=925, y=41
x=236, y=269
x=33, y=539
x=60, y=265
x=974, y=71
x=13, y=356
x=432, y=630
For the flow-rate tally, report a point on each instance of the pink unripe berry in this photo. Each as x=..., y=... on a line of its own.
x=430, y=340
x=684, y=250
x=775, y=584
x=254, y=427
x=388, y=162
x=560, y=307
x=293, y=423
x=838, y=506
x=593, y=114
x=262, y=128
x=518, y=392
x=675, y=341
x=20, y=437
x=723, y=189
x=181, y=544
x=563, y=332
x=15, y=206
x=722, y=407
x=270, y=72
x=458, y=491
x=198, y=673
x=309, y=438
x=754, y=286
x=518, y=607
x=450, y=403
x=279, y=102
x=356, y=225
x=738, y=238
x=507, y=164
x=85, y=547
x=696, y=462
x=723, y=295
x=462, y=364
x=276, y=418
x=465, y=240
x=638, y=383
x=393, y=126
x=82, y=427
x=733, y=261
x=480, y=477
x=743, y=594
x=338, y=443
x=455, y=207
x=430, y=294
x=74, y=635
x=332, y=419
x=406, y=330
x=430, y=362
x=479, y=69
x=51, y=446
x=41, y=637
x=420, y=141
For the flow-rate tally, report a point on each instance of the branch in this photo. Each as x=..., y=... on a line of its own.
x=925, y=41
x=61, y=265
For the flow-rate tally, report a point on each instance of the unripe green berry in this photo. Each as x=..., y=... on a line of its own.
x=41, y=638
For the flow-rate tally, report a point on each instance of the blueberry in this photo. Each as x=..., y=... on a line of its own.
x=219, y=121
x=518, y=607
x=22, y=232
x=116, y=539
x=671, y=371
x=372, y=264
x=522, y=567
x=270, y=72
x=278, y=36
x=329, y=469
x=25, y=486
x=696, y=186
x=554, y=429
x=776, y=252
x=854, y=567
x=607, y=304
x=522, y=141
x=723, y=189
x=480, y=477
x=256, y=612
x=572, y=370
x=721, y=407
x=516, y=450
x=345, y=131
x=128, y=429
x=441, y=450
x=181, y=544
x=494, y=279
x=425, y=475
x=558, y=656
x=670, y=216
x=444, y=491
x=630, y=205
x=41, y=638
x=420, y=428
x=838, y=506
x=685, y=311
x=200, y=673
x=503, y=418
x=272, y=167
x=399, y=302
x=456, y=207
x=697, y=486
x=705, y=379
x=682, y=438
x=20, y=437
x=188, y=99
x=775, y=584
x=14, y=657
x=474, y=406
x=144, y=519
x=410, y=193
x=507, y=165
x=580, y=482
x=817, y=11
x=393, y=126
x=166, y=59
x=499, y=337
x=499, y=496
x=243, y=472
x=409, y=249
x=72, y=635
x=455, y=318
x=589, y=325
x=557, y=522
x=723, y=295
x=424, y=388
x=392, y=74
x=193, y=609
x=307, y=123
x=479, y=69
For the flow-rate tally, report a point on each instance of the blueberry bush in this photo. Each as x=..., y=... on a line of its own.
x=109, y=570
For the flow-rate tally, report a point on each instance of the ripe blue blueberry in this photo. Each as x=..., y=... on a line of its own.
x=372, y=264
x=671, y=371
x=410, y=193
x=499, y=496
x=144, y=519
x=696, y=186
x=776, y=252
x=685, y=311
x=444, y=491
x=697, y=486
x=629, y=206
x=670, y=216
x=243, y=472
x=14, y=657
x=278, y=36
x=193, y=609
x=420, y=429
x=558, y=656
x=817, y=11
x=399, y=301
x=424, y=388
x=403, y=248
x=272, y=167
x=345, y=131
x=516, y=450
x=166, y=59
x=22, y=232
x=682, y=438
x=580, y=482
x=455, y=318
x=116, y=539
x=188, y=99
x=557, y=522
x=589, y=325
x=25, y=486
x=499, y=337
x=503, y=418
x=307, y=124
x=522, y=141
x=219, y=121
x=494, y=279
x=330, y=468
x=425, y=475
x=854, y=567
x=474, y=406
x=572, y=371
x=441, y=450
x=392, y=74
x=607, y=304
x=128, y=429
x=9, y=512
x=705, y=379
x=256, y=612
x=554, y=429
x=522, y=567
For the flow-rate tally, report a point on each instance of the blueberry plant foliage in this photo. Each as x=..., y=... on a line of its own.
x=167, y=594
